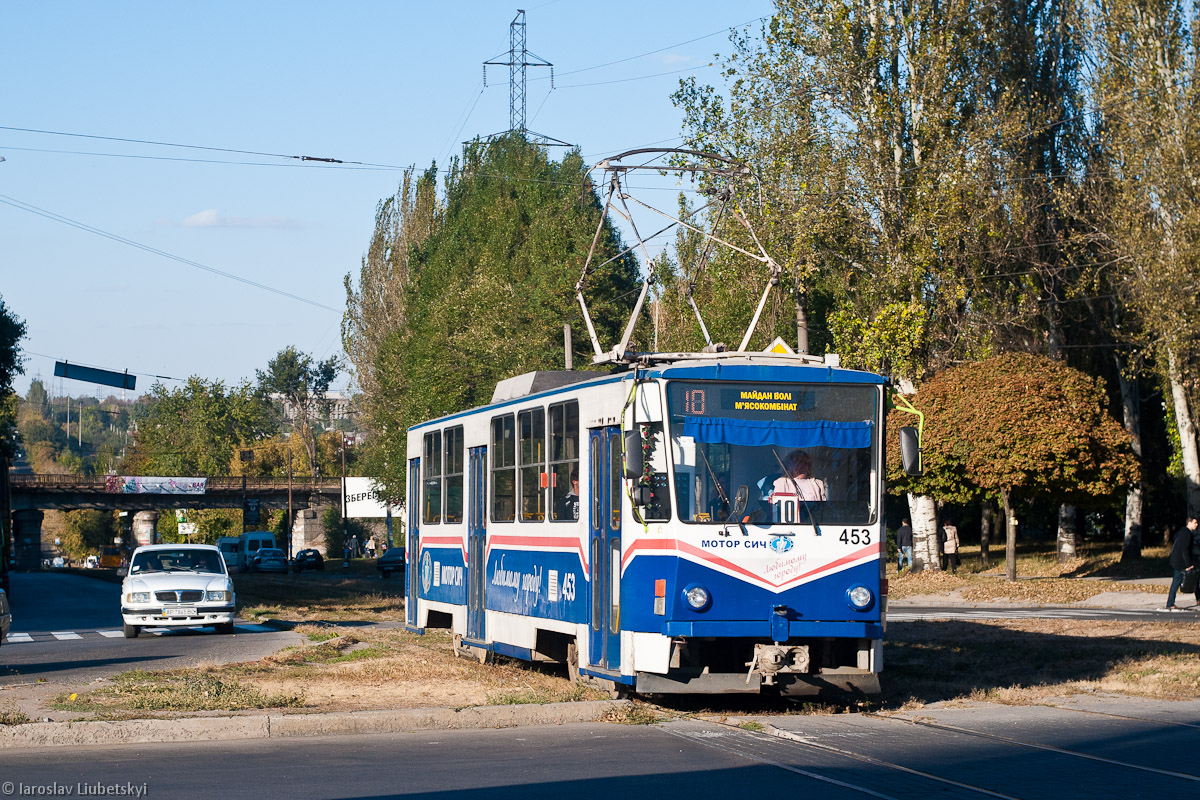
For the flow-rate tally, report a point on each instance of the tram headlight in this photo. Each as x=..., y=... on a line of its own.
x=859, y=597
x=697, y=597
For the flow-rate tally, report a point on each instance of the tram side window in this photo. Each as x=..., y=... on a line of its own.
x=564, y=461
x=532, y=425
x=454, y=474
x=431, y=463
x=504, y=468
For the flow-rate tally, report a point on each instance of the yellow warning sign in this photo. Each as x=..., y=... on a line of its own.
x=779, y=346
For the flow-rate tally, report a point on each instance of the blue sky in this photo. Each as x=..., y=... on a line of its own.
x=388, y=83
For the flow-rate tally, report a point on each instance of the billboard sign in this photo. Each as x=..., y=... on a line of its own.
x=361, y=498
x=120, y=484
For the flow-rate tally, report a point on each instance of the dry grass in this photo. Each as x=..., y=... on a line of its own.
x=359, y=670
x=1026, y=661
x=1040, y=577
x=327, y=596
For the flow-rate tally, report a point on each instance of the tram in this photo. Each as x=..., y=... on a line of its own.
x=706, y=522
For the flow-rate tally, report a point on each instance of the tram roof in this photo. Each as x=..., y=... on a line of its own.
x=676, y=366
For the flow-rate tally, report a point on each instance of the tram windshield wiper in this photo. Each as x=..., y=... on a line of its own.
x=724, y=496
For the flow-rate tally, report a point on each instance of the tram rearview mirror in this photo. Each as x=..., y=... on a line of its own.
x=910, y=451
x=633, y=454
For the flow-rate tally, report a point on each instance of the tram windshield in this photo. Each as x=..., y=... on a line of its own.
x=797, y=453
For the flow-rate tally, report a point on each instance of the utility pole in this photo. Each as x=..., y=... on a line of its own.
x=345, y=532
x=289, y=516
x=519, y=59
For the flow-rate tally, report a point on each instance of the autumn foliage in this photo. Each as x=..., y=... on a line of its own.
x=1018, y=424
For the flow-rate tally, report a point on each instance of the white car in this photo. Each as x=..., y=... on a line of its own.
x=177, y=586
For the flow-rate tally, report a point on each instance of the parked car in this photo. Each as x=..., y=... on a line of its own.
x=5, y=616
x=269, y=559
x=91, y=562
x=307, y=559
x=391, y=561
x=177, y=586
x=59, y=562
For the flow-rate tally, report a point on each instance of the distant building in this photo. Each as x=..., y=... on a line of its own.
x=340, y=407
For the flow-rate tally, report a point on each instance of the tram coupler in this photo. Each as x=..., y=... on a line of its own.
x=771, y=660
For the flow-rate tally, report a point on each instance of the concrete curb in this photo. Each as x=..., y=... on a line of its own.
x=268, y=726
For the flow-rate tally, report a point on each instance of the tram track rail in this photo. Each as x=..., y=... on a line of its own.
x=775, y=746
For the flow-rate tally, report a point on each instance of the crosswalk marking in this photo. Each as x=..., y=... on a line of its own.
x=22, y=638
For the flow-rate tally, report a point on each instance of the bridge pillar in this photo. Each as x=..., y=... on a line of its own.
x=27, y=535
x=145, y=528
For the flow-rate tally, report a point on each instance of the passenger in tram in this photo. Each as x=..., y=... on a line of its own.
x=798, y=480
x=568, y=504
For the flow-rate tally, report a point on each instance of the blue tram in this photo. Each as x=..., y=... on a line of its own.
x=705, y=523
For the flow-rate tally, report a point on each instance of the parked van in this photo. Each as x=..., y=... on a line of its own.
x=250, y=543
x=230, y=547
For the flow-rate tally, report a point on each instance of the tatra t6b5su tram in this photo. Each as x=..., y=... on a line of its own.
x=699, y=522
x=706, y=525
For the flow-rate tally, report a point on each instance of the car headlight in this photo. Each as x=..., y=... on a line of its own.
x=137, y=597
x=219, y=596
x=697, y=597
x=859, y=597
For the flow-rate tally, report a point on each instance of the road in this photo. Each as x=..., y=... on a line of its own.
x=68, y=628
x=1126, y=749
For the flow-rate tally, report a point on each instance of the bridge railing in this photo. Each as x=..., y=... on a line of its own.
x=214, y=484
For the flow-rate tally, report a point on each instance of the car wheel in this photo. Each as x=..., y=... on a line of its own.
x=225, y=627
x=130, y=631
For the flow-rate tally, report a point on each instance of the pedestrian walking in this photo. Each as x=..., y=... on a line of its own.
x=904, y=542
x=1181, y=561
x=950, y=545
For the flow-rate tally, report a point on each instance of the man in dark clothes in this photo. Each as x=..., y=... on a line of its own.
x=1181, y=560
x=905, y=544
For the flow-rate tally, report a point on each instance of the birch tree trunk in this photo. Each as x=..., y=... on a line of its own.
x=1067, y=533
x=1187, y=434
x=1132, y=418
x=923, y=513
x=1010, y=537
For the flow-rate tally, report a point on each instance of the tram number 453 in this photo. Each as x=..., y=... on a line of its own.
x=856, y=536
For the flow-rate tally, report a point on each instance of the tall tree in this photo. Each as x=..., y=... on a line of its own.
x=1145, y=194
x=196, y=429
x=491, y=287
x=375, y=304
x=12, y=331
x=303, y=386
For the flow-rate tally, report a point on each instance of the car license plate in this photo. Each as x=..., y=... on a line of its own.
x=179, y=611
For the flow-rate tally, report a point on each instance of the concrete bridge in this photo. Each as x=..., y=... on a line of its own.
x=31, y=495
x=70, y=493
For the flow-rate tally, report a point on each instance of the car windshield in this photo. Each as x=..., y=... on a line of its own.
x=790, y=453
x=268, y=552
x=180, y=560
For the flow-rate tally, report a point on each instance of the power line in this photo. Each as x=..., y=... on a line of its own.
x=32, y=209
x=319, y=159
x=349, y=167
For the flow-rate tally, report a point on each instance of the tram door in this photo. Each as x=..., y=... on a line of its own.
x=476, y=542
x=604, y=452
x=412, y=555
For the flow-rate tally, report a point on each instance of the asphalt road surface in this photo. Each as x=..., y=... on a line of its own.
x=68, y=628
x=1122, y=749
